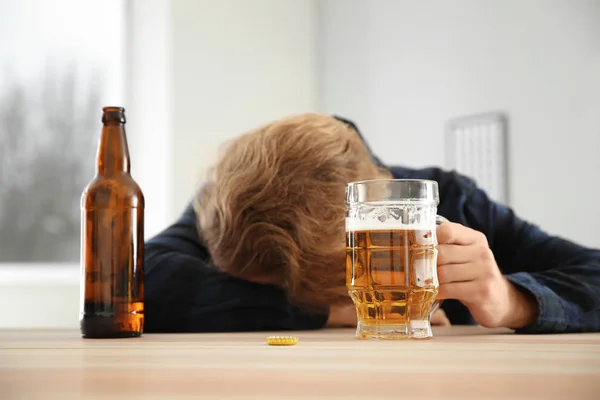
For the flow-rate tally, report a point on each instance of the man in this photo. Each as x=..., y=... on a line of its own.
x=262, y=247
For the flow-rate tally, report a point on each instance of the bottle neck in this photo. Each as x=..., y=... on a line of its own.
x=113, y=153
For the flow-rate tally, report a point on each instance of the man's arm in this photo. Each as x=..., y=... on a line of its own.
x=185, y=293
x=563, y=277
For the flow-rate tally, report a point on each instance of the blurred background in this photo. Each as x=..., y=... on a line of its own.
x=507, y=92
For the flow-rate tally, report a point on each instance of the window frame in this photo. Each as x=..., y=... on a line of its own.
x=60, y=279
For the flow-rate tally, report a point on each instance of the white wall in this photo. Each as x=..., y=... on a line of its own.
x=402, y=68
x=237, y=64
x=149, y=105
x=204, y=71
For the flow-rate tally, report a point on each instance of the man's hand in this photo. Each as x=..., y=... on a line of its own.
x=467, y=271
x=439, y=318
x=342, y=317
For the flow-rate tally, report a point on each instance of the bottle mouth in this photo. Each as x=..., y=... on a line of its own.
x=113, y=114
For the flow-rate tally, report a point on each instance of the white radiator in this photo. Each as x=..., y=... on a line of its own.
x=477, y=146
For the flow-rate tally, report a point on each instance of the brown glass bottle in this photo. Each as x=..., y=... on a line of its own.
x=112, y=240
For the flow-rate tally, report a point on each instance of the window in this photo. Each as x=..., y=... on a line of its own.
x=64, y=61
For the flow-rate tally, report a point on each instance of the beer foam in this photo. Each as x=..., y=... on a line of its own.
x=353, y=224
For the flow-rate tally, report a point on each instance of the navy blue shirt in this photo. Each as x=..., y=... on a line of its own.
x=185, y=293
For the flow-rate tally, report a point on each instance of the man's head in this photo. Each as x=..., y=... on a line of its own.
x=273, y=210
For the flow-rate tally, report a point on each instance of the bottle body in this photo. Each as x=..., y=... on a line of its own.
x=112, y=245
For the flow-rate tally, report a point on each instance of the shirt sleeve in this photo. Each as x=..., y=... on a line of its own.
x=563, y=277
x=184, y=292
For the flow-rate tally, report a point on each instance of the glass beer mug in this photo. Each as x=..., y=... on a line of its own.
x=391, y=256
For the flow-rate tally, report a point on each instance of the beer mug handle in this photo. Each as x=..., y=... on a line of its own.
x=436, y=304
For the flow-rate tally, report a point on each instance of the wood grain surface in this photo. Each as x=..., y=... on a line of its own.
x=458, y=363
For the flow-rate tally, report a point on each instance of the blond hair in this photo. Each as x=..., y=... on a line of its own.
x=273, y=209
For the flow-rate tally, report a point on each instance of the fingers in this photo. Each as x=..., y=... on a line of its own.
x=440, y=318
x=456, y=273
x=456, y=254
x=463, y=263
x=469, y=293
x=342, y=316
x=452, y=233
x=463, y=291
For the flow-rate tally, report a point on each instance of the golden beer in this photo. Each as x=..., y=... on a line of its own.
x=391, y=257
x=391, y=277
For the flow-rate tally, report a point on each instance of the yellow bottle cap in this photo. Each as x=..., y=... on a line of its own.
x=281, y=340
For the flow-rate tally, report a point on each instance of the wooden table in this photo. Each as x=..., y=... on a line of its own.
x=458, y=363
